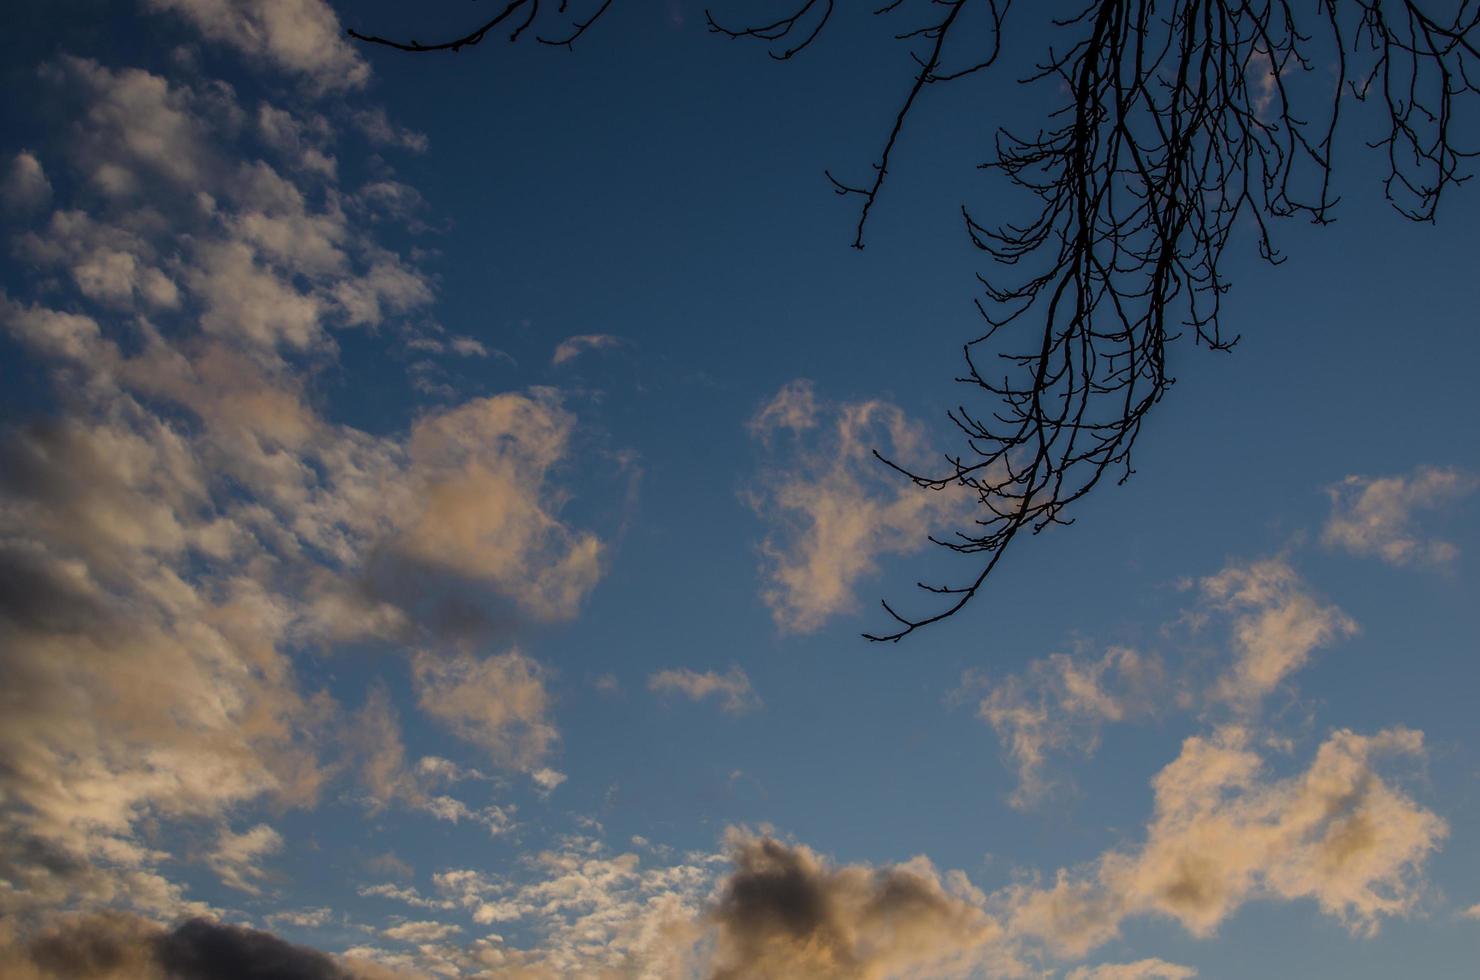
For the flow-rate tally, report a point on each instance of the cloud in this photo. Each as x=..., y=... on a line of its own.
x=303, y=37
x=1473, y=912
x=572, y=347
x=122, y=947
x=784, y=911
x=1150, y=969
x=1222, y=834
x=1060, y=703
x=498, y=703
x=302, y=139
x=236, y=857
x=421, y=932
x=832, y=508
x=794, y=407
x=483, y=507
x=137, y=134
x=732, y=688
x=315, y=918
x=382, y=131
x=1277, y=626
x=185, y=520
x=547, y=779
x=1373, y=516
x=592, y=912
x=25, y=187
x=109, y=265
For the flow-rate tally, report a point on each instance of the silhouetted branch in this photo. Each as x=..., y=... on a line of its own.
x=521, y=14
x=1180, y=120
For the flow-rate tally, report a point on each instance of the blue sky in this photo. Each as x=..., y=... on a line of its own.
x=438, y=522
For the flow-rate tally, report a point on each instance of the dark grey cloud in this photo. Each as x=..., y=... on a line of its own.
x=204, y=950
x=111, y=945
x=784, y=911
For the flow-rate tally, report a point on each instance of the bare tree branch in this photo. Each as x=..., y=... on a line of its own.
x=1180, y=121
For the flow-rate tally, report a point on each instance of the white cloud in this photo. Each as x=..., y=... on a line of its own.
x=303, y=37
x=1149, y=969
x=1060, y=703
x=186, y=520
x=25, y=187
x=484, y=508
x=572, y=347
x=1373, y=516
x=421, y=932
x=1222, y=834
x=236, y=857
x=498, y=703
x=109, y=265
x=382, y=131
x=833, y=509
x=732, y=688
x=1277, y=626
x=314, y=918
x=137, y=129
x=547, y=779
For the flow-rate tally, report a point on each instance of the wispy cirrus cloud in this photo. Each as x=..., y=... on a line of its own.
x=236, y=858
x=731, y=689
x=572, y=347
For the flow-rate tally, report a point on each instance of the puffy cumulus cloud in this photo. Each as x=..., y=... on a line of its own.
x=303, y=37
x=110, y=265
x=303, y=141
x=783, y=911
x=1277, y=625
x=186, y=521
x=498, y=703
x=123, y=947
x=484, y=508
x=1373, y=516
x=1222, y=834
x=236, y=857
x=1060, y=703
x=136, y=131
x=255, y=255
x=1149, y=969
x=572, y=347
x=25, y=187
x=833, y=509
x=732, y=689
